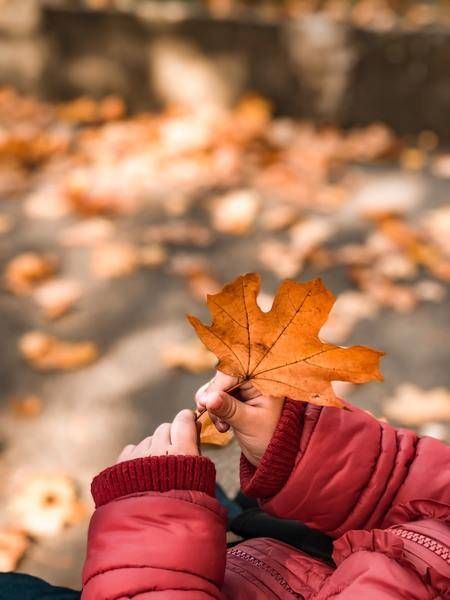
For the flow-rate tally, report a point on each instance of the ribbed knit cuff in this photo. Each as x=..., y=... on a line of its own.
x=154, y=474
x=278, y=460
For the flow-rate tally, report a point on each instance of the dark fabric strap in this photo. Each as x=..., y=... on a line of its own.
x=254, y=523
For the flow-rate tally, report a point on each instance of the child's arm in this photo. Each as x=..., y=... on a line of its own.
x=157, y=530
x=334, y=470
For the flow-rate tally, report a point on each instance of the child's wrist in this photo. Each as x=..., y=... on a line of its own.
x=277, y=462
x=154, y=474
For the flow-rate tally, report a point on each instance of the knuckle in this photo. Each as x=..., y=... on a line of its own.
x=161, y=428
x=229, y=410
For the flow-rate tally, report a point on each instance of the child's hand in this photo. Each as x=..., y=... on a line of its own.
x=178, y=437
x=252, y=416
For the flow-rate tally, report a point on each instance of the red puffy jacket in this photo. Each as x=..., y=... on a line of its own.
x=383, y=494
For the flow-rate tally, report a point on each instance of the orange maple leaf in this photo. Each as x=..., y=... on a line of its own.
x=280, y=350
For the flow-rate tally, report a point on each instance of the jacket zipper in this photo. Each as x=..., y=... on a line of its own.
x=425, y=541
x=268, y=569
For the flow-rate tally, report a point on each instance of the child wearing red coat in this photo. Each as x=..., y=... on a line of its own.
x=381, y=493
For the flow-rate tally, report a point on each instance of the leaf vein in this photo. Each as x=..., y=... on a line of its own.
x=283, y=330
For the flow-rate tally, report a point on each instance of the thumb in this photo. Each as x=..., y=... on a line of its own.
x=227, y=408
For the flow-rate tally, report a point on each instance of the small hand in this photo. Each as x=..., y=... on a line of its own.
x=178, y=437
x=252, y=416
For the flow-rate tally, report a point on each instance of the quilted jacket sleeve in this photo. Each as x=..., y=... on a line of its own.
x=157, y=532
x=340, y=470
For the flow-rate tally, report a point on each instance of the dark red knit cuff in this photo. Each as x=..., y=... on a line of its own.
x=279, y=459
x=154, y=474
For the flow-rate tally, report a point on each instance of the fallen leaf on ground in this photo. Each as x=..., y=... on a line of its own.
x=83, y=196
x=280, y=258
x=114, y=259
x=86, y=110
x=191, y=356
x=309, y=234
x=26, y=270
x=13, y=545
x=350, y=307
x=430, y=291
x=47, y=504
x=48, y=204
x=196, y=271
x=278, y=217
x=46, y=353
x=57, y=296
x=413, y=159
x=441, y=166
x=436, y=226
x=26, y=406
x=280, y=351
x=87, y=233
x=235, y=212
x=412, y=405
x=399, y=297
x=210, y=435
x=152, y=255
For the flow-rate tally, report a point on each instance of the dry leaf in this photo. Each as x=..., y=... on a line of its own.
x=46, y=353
x=412, y=405
x=402, y=298
x=152, y=255
x=436, y=226
x=195, y=269
x=47, y=504
x=46, y=204
x=430, y=291
x=26, y=270
x=57, y=296
x=210, y=435
x=191, y=356
x=27, y=406
x=350, y=307
x=86, y=198
x=87, y=233
x=86, y=110
x=309, y=234
x=114, y=259
x=280, y=258
x=235, y=212
x=13, y=545
x=278, y=217
x=280, y=351
x=441, y=166
x=413, y=159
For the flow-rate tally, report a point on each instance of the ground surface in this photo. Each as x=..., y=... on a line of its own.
x=88, y=415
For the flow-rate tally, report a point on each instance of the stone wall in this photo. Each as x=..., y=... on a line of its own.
x=312, y=68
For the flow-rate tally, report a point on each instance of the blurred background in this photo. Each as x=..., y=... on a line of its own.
x=151, y=152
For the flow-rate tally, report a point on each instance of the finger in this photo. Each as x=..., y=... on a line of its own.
x=143, y=448
x=222, y=382
x=220, y=425
x=126, y=453
x=200, y=396
x=228, y=409
x=183, y=433
x=161, y=440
